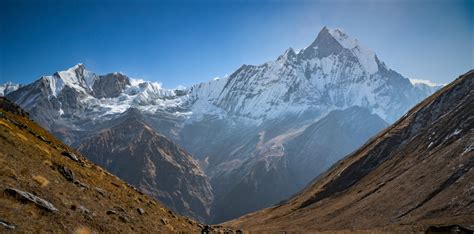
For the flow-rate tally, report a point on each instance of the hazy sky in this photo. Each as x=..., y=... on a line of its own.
x=186, y=42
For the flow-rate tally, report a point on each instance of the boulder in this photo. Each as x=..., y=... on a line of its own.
x=28, y=197
x=70, y=155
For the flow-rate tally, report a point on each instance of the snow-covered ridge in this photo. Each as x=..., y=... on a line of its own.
x=76, y=77
x=8, y=87
x=320, y=78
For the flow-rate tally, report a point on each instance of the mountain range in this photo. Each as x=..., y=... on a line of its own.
x=251, y=139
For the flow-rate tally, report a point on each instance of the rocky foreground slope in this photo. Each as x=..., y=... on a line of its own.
x=416, y=173
x=48, y=187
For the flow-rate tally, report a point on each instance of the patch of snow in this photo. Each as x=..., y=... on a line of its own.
x=426, y=82
x=468, y=149
x=456, y=132
x=55, y=84
x=136, y=82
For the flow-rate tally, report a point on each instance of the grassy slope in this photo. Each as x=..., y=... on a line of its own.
x=31, y=159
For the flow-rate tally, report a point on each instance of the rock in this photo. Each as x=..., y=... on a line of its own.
x=68, y=174
x=171, y=213
x=165, y=221
x=110, y=85
x=101, y=191
x=84, y=210
x=119, y=208
x=124, y=219
x=80, y=184
x=7, y=225
x=43, y=139
x=111, y=212
x=136, y=189
x=141, y=211
x=70, y=155
x=28, y=197
x=448, y=229
x=206, y=229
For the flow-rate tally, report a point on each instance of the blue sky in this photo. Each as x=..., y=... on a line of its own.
x=186, y=42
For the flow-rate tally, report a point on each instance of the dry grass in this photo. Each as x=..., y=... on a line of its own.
x=82, y=230
x=43, y=182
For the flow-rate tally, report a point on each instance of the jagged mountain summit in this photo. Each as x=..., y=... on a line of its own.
x=334, y=72
x=235, y=125
x=416, y=173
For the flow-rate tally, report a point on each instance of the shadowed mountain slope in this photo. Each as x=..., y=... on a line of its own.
x=288, y=163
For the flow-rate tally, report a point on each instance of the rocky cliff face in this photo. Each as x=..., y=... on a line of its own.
x=135, y=152
x=416, y=173
x=110, y=85
x=234, y=123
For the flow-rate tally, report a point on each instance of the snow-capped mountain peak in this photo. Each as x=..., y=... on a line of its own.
x=334, y=42
x=76, y=77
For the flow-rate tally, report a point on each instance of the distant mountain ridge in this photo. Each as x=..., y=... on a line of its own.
x=334, y=72
x=236, y=123
x=8, y=87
